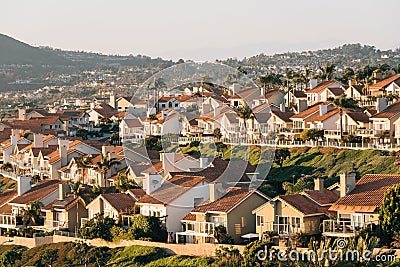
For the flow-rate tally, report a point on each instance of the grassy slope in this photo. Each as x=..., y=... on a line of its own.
x=330, y=163
x=134, y=256
x=7, y=183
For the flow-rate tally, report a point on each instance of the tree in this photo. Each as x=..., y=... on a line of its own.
x=245, y=113
x=389, y=213
x=9, y=257
x=83, y=163
x=281, y=154
x=124, y=183
x=149, y=227
x=222, y=236
x=98, y=227
x=81, y=249
x=311, y=134
x=76, y=192
x=82, y=133
x=48, y=256
x=341, y=103
x=106, y=163
x=99, y=255
x=327, y=71
x=32, y=213
x=217, y=133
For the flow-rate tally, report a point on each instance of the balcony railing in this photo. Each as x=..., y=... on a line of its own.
x=8, y=221
x=283, y=229
x=199, y=229
x=56, y=224
x=343, y=228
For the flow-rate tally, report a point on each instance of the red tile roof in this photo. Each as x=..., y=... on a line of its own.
x=119, y=201
x=324, y=197
x=321, y=86
x=38, y=192
x=388, y=113
x=382, y=84
x=304, y=205
x=229, y=201
x=368, y=194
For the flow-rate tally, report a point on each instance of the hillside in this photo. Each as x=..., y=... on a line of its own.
x=13, y=51
x=330, y=163
x=77, y=254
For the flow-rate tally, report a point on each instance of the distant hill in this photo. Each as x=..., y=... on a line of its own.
x=13, y=51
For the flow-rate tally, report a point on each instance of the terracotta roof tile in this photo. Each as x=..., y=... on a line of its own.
x=227, y=202
x=303, y=204
x=120, y=201
x=321, y=86
x=368, y=193
x=382, y=84
x=389, y=112
x=324, y=197
x=39, y=191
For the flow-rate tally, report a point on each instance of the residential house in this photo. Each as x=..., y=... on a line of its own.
x=383, y=121
x=390, y=85
x=359, y=203
x=231, y=209
x=65, y=212
x=323, y=91
x=354, y=91
x=111, y=205
x=296, y=213
x=101, y=112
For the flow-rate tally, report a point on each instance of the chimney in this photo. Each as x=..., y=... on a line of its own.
x=313, y=83
x=319, y=184
x=216, y=191
x=262, y=91
x=14, y=140
x=347, y=183
x=24, y=184
x=112, y=100
x=377, y=76
x=302, y=105
x=63, y=190
x=381, y=104
x=216, y=111
x=22, y=114
x=92, y=105
x=323, y=109
x=16, y=132
x=38, y=140
x=350, y=82
x=203, y=162
x=234, y=88
x=63, y=146
x=108, y=151
x=282, y=107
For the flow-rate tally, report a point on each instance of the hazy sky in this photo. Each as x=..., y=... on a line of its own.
x=203, y=29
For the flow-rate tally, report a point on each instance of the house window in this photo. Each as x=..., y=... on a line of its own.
x=176, y=105
x=260, y=220
x=218, y=220
x=163, y=105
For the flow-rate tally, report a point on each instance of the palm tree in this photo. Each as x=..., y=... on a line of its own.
x=83, y=163
x=245, y=113
x=341, y=103
x=327, y=71
x=106, y=163
x=76, y=192
x=32, y=213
